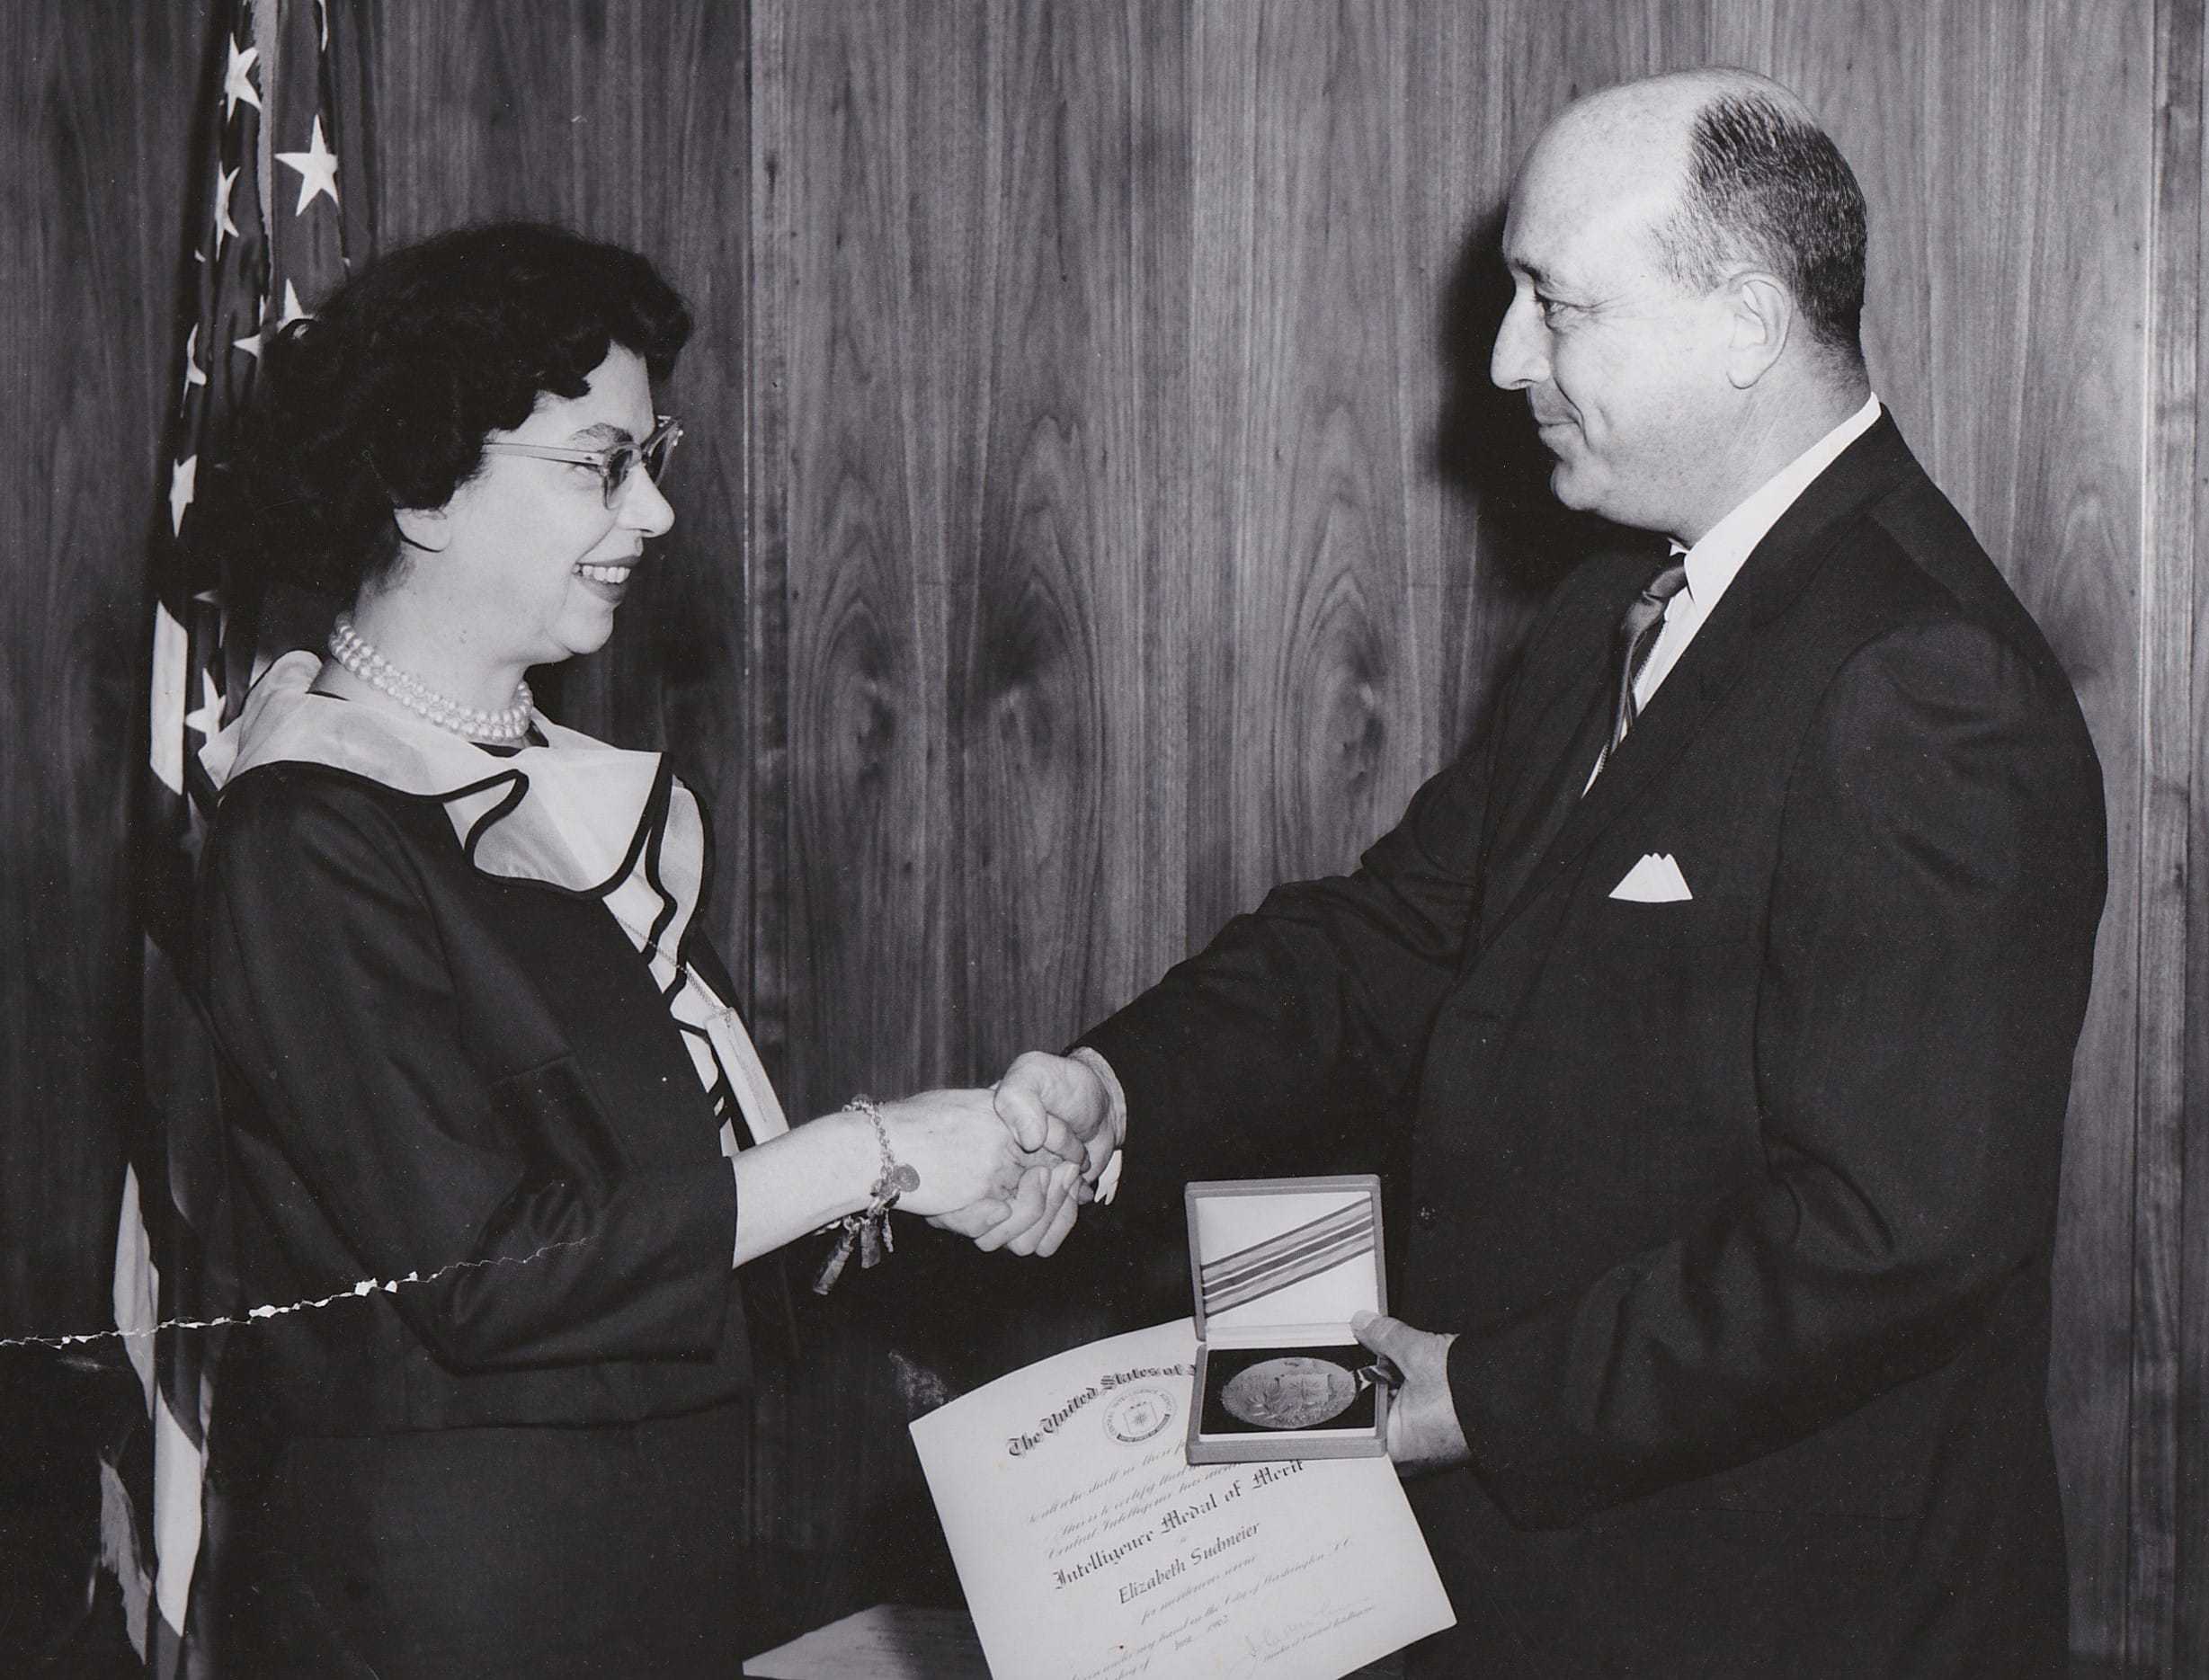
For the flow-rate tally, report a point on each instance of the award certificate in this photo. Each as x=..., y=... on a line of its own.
x=1089, y=1549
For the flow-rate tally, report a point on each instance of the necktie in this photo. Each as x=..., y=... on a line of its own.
x=1637, y=636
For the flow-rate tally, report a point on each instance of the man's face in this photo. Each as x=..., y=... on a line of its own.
x=1623, y=369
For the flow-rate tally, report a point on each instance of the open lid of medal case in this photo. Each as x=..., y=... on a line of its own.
x=1281, y=1264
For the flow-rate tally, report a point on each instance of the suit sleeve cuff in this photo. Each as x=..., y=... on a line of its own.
x=1109, y=1180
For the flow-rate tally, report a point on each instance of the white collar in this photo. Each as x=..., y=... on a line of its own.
x=575, y=812
x=1723, y=549
x=567, y=813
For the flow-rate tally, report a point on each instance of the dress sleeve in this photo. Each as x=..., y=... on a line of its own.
x=378, y=1148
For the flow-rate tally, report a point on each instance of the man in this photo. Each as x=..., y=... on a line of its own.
x=1729, y=987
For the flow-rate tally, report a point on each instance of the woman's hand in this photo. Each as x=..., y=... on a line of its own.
x=969, y=1161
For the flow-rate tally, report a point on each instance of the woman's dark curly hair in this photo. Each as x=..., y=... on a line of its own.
x=383, y=398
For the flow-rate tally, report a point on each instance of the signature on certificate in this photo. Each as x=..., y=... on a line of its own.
x=1262, y=1645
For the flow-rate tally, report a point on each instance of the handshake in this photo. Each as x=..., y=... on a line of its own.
x=1011, y=1167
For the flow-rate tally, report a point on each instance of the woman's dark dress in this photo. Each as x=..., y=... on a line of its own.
x=529, y=1461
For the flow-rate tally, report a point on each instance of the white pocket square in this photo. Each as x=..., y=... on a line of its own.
x=1655, y=880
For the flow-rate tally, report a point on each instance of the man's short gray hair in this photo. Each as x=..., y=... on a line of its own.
x=1766, y=186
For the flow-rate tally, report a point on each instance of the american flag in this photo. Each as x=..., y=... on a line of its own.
x=282, y=104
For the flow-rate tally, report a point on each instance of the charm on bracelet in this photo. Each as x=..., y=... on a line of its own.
x=868, y=1231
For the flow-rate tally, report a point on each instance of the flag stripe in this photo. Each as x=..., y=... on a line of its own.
x=267, y=78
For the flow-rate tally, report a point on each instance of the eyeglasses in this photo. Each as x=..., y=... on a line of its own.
x=612, y=464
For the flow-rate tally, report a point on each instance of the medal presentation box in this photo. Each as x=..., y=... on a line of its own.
x=1277, y=1267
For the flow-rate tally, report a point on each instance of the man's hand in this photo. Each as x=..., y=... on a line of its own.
x=1062, y=1104
x=1423, y=1431
x=1065, y=1106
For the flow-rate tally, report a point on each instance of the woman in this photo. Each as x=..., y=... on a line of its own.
x=480, y=1068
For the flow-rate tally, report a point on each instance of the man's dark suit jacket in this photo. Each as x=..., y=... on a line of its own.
x=1741, y=1206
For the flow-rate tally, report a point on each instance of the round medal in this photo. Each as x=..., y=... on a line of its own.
x=1294, y=1391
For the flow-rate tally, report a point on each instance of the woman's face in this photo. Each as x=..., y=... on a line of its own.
x=535, y=561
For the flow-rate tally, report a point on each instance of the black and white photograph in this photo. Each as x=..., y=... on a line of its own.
x=1056, y=840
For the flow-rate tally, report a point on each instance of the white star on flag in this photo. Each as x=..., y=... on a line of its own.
x=292, y=312
x=250, y=345
x=237, y=79
x=208, y=718
x=225, y=181
x=317, y=167
x=194, y=374
x=181, y=481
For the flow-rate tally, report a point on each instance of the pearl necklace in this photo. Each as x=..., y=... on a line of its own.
x=358, y=655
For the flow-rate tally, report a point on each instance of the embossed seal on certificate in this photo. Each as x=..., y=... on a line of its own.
x=1294, y=1391
x=1138, y=1415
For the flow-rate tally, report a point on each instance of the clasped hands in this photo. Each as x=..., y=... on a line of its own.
x=1011, y=1167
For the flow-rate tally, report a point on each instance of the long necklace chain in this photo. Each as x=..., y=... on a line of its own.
x=358, y=654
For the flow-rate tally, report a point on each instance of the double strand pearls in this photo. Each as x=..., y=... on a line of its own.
x=358, y=655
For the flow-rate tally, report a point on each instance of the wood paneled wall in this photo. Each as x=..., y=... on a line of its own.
x=1095, y=509
x=96, y=104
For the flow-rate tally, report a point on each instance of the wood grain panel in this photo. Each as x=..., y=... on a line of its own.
x=2176, y=663
x=866, y=223
x=2036, y=393
x=2156, y=1610
x=2191, y=1636
x=1480, y=498
x=971, y=414
x=682, y=672
x=1068, y=831
x=1460, y=161
x=97, y=103
x=869, y=807
x=1311, y=679
x=769, y=299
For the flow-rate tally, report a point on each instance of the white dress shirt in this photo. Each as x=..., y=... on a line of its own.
x=1714, y=562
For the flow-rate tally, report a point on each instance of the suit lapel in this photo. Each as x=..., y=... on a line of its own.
x=1775, y=573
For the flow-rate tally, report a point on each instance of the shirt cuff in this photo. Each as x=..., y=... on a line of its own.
x=1109, y=1180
